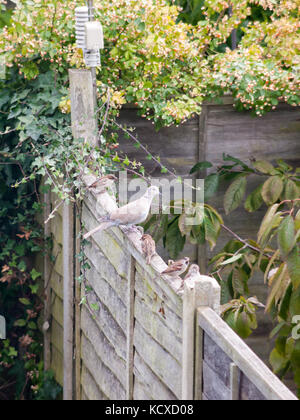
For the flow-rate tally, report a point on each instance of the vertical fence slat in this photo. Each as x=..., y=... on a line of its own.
x=77, y=315
x=130, y=331
x=68, y=272
x=252, y=367
x=199, y=343
x=188, y=343
x=234, y=382
x=47, y=286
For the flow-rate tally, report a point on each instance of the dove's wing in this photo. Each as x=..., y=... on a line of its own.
x=133, y=213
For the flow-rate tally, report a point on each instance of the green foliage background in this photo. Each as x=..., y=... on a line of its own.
x=27, y=110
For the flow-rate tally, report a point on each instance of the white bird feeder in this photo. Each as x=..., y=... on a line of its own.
x=94, y=39
x=89, y=37
x=82, y=16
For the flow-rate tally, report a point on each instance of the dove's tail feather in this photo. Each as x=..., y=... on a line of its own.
x=103, y=226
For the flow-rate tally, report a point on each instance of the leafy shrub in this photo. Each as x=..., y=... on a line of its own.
x=28, y=112
x=165, y=66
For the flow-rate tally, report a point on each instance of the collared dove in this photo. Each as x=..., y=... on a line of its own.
x=131, y=214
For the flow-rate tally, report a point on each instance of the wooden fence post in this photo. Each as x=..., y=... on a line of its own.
x=198, y=291
x=202, y=151
x=84, y=126
x=47, y=285
x=188, y=342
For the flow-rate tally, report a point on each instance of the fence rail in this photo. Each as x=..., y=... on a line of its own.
x=230, y=369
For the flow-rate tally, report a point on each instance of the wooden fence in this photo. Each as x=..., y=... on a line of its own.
x=218, y=365
x=131, y=346
x=135, y=337
x=139, y=338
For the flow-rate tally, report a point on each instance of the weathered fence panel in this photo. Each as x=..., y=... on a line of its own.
x=220, y=129
x=137, y=333
x=140, y=342
x=224, y=354
x=137, y=329
x=53, y=286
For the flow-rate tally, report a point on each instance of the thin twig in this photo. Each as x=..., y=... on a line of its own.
x=144, y=148
x=7, y=132
x=243, y=241
x=53, y=212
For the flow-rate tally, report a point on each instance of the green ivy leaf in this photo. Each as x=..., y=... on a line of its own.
x=34, y=288
x=35, y=274
x=24, y=301
x=235, y=194
x=20, y=323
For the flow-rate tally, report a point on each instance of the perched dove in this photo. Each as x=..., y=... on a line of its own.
x=148, y=247
x=177, y=268
x=132, y=214
x=102, y=184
